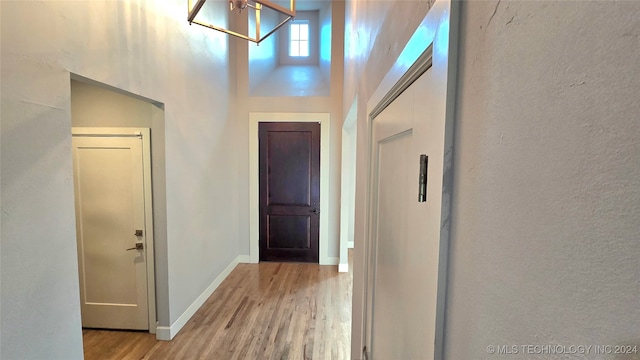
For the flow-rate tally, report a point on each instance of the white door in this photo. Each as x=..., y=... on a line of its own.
x=111, y=232
x=405, y=233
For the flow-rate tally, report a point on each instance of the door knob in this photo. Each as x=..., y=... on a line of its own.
x=138, y=233
x=139, y=246
x=315, y=211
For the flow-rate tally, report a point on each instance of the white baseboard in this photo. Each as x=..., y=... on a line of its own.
x=330, y=261
x=350, y=244
x=343, y=267
x=169, y=332
x=163, y=333
x=244, y=259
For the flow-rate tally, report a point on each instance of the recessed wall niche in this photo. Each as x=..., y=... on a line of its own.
x=273, y=73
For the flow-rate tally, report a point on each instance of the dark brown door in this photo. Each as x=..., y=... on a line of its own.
x=289, y=191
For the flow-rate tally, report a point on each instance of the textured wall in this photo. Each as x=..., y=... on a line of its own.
x=142, y=47
x=545, y=242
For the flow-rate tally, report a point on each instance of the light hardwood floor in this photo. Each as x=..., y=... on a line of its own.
x=261, y=311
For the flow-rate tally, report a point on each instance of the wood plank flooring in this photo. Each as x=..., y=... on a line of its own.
x=261, y=311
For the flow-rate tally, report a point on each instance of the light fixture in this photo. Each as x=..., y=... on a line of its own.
x=249, y=5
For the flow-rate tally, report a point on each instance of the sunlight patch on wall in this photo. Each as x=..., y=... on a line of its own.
x=416, y=45
x=325, y=43
x=441, y=45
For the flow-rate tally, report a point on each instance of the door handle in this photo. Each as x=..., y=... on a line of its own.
x=139, y=246
x=315, y=211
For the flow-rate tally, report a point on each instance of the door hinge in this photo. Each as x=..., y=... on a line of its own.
x=422, y=181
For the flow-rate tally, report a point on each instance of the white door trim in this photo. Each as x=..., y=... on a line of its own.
x=254, y=179
x=348, y=185
x=145, y=135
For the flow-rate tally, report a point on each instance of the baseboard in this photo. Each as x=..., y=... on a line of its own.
x=330, y=261
x=343, y=267
x=163, y=333
x=244, y=259
x=169, y=332
x=350, y=244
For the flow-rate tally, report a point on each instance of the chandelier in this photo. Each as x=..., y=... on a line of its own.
x=249, y=5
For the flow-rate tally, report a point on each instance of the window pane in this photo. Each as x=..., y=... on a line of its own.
x=304, y=48
x=304, y=31
x=299, y=39
x=295, y=32
x=294, y=48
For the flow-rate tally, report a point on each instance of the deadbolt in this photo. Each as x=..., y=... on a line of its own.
x=138, y=233
x=139, y=246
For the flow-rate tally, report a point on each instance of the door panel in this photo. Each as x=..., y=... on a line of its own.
x=109, y=189
x=289, y=191
x=284, y=232
x=289, y=160
x=392, y=246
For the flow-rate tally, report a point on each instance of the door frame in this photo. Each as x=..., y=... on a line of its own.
x=348, y=185
x=145, y=135
x=254, y=178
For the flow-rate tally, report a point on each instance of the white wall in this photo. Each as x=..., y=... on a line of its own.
x=95, y=105
x=142, y=47
x=263, y=58
x=544, y=242
x=547, y=178
x=325, y=20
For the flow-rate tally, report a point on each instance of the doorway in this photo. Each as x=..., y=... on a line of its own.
x=289, y=191
x=114, y=226
x=100, y=107
x=254, y=200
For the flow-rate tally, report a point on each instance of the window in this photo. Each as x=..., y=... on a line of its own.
x=299, y=39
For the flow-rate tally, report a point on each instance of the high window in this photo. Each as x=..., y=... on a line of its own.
x=299, y=39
